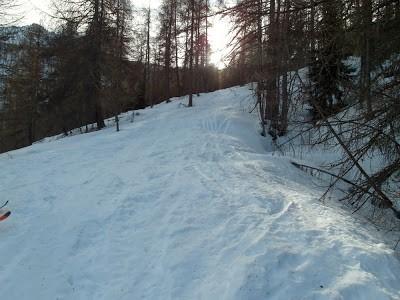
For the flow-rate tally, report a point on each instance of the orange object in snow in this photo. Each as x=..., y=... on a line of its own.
x=5, y=216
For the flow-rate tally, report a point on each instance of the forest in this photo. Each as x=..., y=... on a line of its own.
x=200, y=149
x=338, y=60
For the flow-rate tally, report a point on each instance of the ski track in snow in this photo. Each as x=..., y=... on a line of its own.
x=184, y=203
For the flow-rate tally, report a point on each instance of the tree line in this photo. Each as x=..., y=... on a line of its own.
x=104, y=57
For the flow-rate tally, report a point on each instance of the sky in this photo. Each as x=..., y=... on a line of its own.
x=38, y=11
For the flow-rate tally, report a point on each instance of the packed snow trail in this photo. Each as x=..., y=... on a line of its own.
x=184, y=203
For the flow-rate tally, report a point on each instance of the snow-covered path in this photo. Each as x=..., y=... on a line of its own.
x=181, y=204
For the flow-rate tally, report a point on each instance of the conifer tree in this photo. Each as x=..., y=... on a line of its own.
x=328, y=73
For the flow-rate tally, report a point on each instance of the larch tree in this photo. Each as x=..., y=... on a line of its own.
x=25, y=86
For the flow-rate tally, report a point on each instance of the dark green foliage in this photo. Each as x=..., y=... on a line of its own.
x=328, y=73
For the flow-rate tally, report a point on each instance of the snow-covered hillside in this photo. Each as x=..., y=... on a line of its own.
x=183, y=203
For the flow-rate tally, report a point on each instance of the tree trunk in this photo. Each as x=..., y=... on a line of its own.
x=178, y=80
x=365, y=78
x=190, y=104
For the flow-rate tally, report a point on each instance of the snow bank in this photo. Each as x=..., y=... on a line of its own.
x=184, y=203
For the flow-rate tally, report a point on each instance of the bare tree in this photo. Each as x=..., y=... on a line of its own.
x=191, y=52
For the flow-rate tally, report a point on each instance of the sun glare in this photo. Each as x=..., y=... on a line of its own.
x=219, y=39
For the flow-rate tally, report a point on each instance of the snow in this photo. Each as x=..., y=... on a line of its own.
x=183, y=203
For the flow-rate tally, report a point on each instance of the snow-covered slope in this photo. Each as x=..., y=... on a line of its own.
x=184, y=203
